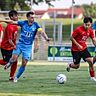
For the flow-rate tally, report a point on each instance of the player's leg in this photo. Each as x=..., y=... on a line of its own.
x=87, y=57
x=11, y=61
x=12, y=71
x=6, y=56
x=94, y=59
x=26, y=55
x=21, y=69
x=91, y=68
x=76, y=61
x=14, y=57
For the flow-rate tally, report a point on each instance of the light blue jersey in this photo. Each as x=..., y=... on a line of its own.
x=26, y=39
x=28, y=32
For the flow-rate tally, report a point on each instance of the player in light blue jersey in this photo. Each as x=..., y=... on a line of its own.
x=94, y=29
x=29, y=29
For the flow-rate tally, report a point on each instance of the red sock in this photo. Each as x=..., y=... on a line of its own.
x=92, y=73
x=2, y=62
x=13, y=69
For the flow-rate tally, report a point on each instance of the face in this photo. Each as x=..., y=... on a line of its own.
x=14, y=17
x=87, y=25
x=30, y=18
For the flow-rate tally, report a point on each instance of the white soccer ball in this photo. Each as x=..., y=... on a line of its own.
x=61, y=78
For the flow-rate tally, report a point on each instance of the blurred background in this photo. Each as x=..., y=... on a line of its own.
x=58, y=18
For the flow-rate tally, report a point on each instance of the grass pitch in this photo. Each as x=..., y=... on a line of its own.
x=39, y=79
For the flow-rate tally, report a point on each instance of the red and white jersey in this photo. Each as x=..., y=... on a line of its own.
x=9, y=33
x=81, y=35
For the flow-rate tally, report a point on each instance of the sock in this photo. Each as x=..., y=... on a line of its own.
x=92, y=73
x=20, y=71
x=13, y=69
x=2, y=62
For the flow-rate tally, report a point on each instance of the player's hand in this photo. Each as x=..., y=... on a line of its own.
x=49, y=39
x=14, y=46
x=80, y=47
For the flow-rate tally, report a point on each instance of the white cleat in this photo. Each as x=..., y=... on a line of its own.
x=15, y=79
x=93, y=79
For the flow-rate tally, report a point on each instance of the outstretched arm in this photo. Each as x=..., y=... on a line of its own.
x=9, y=21
x=44, y=34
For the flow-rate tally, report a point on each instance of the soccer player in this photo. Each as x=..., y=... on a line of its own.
x=9, y=43
x=79, y=48
x=29, y=29
x=94, y=29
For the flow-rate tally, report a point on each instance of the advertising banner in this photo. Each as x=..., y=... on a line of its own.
x=63, y=53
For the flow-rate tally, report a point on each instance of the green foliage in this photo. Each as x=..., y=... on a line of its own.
x=7, y=5
x=89, y=10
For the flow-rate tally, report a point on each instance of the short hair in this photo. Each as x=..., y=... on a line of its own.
x=30, y=13
x=87, y=19
x=12, y=13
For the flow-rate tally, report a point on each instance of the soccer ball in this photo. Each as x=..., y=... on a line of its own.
x=61, y=78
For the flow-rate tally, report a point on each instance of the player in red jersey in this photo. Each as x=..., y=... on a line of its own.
x=79, y=48
x=9, y=43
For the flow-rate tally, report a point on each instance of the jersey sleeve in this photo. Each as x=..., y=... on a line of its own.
x=38, y=27
x=94, y=26
x=21, y=23
x=92, y=34
x=75, y=33
x=9, y=31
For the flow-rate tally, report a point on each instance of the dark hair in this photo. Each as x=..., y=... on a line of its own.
x=87, y=19
x=30, y=13
x=13, y=12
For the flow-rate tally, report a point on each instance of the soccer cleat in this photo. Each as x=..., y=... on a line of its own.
x=15, y=79
x=11, y=79
x=68, y=67
x=7, y=66
x=93, y=79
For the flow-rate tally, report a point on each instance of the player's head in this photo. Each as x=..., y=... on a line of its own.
x=87, y=22
x=30, y=16
x=13, y=15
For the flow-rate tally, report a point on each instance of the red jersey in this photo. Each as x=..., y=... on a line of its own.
x=10, y=33
x=81, y=35
x=1, y=28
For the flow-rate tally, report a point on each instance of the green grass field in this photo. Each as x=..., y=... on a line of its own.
x=39, y=79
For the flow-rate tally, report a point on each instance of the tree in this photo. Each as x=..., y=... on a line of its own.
x=9, y=4
x=89, y=10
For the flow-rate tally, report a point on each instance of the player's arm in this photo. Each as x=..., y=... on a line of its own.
x=11, y=43
x=1, y=35
x=94, y=41
x=94, y=37
x=76, y=43
x=43, y=34
x=9, y=21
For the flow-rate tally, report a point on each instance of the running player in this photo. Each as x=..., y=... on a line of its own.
x=9, y=43
x=79, y=47
x=29, y=29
